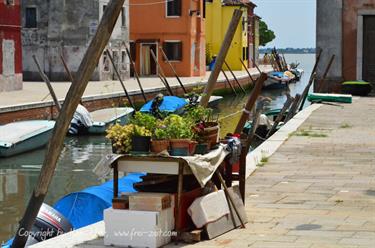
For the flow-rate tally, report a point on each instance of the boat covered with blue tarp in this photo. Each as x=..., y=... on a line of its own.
x=86, y=207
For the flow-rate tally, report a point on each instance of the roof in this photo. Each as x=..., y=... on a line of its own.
x=238, y=3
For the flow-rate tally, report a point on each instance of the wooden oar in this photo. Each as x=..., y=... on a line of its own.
x=76, y=90
x=119, y=78
x=326, y=73
x=311, y=80
x=280, y=116
x=228, y=81
x=161, y=73
x=172, y=68
x=48, y=83
x=248, y=72
x=234, y=76
x=135, y=73
x=250, y=102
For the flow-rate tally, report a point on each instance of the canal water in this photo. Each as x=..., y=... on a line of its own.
x=18, y=175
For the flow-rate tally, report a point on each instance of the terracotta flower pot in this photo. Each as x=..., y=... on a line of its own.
x=211, y=133
x=158, y=146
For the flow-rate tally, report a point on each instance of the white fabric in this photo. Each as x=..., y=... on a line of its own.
x=83, y=115
x=208, y=208
x=204, y=166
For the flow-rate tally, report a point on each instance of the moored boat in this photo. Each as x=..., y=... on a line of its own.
x=23, y=136
x=278, y=80
x=104, y=118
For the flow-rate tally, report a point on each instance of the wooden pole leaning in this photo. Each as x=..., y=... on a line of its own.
x=321, y=85
x=311, y=80
x=280, y=116
x=135, y=73
x=229, y=197
x=228, y=81
x=234, y=76
x=76, y=90
x=293, y=108
x=161, y=73
x=119, y=78
x=173, y=69
x=248, y=72
x=237, y=15
x=48, y=83
x=250, y=102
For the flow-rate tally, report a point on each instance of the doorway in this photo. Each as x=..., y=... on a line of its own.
x=368, y=68
x=148, y=64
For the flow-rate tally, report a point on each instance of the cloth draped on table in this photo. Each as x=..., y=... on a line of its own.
x=202, y=166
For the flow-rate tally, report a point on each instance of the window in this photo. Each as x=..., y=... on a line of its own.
x=173, y=50
x=245, y=53
x=174, y=7
x=123, y=17
x=31, y=20
x=133, y=50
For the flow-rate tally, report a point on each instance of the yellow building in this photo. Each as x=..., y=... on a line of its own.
x=218, y=16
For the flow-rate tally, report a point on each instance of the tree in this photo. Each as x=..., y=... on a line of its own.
x=266, y=35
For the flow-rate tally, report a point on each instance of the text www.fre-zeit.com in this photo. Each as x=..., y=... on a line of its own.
x=133, y=233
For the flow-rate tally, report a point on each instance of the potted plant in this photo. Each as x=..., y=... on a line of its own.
x=160, y=141
x=141, y=139
x=179, y=131
x=121, y=138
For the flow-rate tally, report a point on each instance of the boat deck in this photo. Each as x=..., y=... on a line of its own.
x=108, y=114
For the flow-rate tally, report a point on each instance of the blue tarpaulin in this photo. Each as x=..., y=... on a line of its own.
x=86, y=207
x=169, y=104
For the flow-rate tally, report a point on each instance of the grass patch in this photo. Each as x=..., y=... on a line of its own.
x=308, y=133
x=263, y=161
x=345, y=125
x=339, y=201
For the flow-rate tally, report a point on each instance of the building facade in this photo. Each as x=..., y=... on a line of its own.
x=66, y=27
x=219, y=15
x=346, y=28
x=10, y=46
x=177, y=27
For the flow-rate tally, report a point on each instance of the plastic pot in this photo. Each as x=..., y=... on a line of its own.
x=141, y=143
x=180, y=147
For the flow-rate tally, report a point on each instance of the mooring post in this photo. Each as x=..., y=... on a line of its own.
x=48, y=83
x=237, y=14
x=76, y=90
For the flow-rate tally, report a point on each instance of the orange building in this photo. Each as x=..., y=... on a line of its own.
x=176, y=26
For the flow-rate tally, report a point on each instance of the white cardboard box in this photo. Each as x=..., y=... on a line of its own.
x=138, y=228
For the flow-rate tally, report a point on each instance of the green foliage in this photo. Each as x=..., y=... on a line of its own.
x=144, y=120
x=266, y=35
x=177, y=127
x=198, y=114
x=345, y=125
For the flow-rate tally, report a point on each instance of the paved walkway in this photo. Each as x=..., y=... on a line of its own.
x=37, y=92
x=315, y=192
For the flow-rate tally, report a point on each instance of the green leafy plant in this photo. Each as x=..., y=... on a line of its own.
x=198, y=114
x=144, y=120
x=177, y=127
x=121, y=136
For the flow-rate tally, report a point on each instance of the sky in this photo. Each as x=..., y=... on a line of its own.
x=293, y=21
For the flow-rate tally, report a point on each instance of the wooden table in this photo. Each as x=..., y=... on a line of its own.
x=153, y=164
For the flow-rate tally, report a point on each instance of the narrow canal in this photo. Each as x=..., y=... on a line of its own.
x=19, y=174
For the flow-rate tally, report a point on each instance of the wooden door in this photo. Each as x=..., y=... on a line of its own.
x=368, y=68
x=148, y=64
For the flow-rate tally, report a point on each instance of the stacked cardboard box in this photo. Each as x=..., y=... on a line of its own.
x=148, y=222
